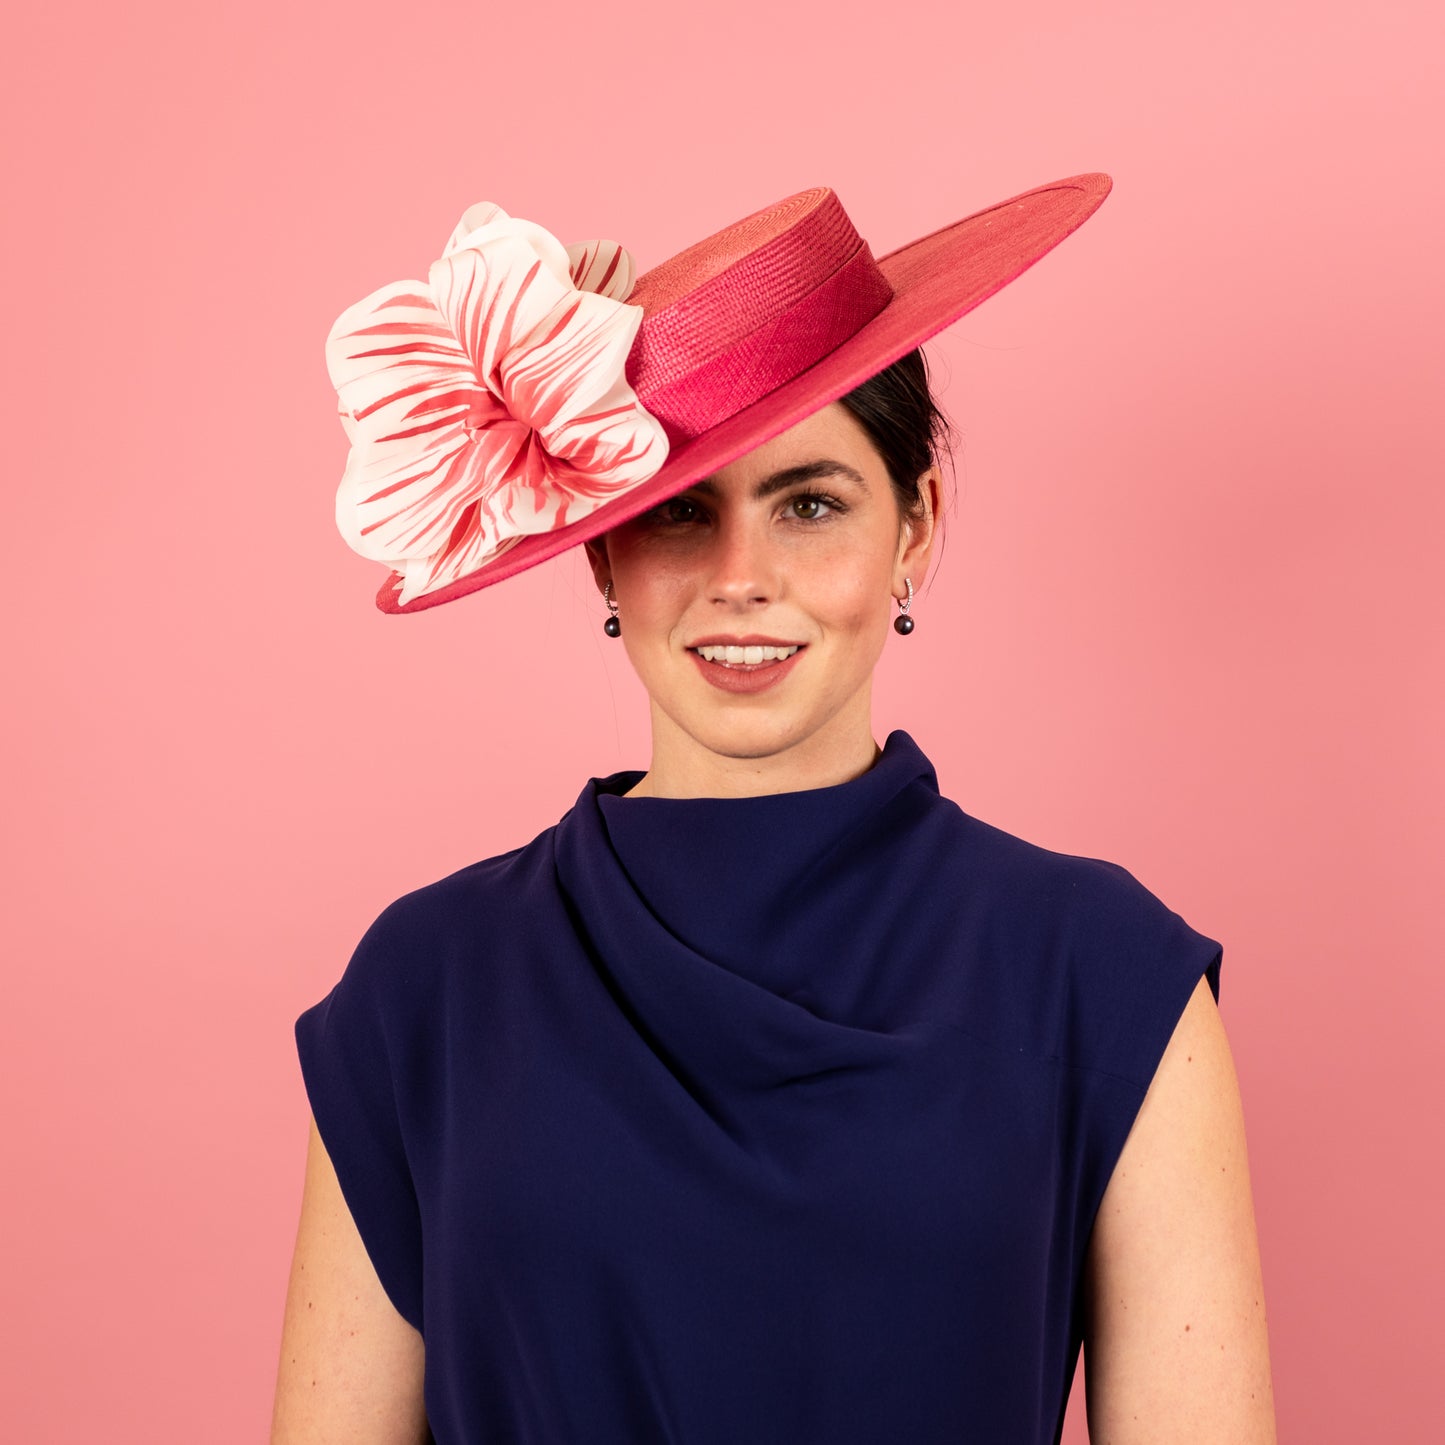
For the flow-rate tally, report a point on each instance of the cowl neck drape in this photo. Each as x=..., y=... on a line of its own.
x=744, y=932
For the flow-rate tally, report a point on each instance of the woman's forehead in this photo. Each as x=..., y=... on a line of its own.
x=829, y=442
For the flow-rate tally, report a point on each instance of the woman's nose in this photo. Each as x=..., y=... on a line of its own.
x=744, y=570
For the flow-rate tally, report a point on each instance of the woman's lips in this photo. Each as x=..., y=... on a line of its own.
x=740, y=677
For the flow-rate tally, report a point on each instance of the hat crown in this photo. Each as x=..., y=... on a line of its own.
x=783, y=249
x=736, y=315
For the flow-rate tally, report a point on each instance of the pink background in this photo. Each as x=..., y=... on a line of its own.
x=1187, y=618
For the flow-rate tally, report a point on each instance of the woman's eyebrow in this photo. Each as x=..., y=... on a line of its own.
x=791, y=476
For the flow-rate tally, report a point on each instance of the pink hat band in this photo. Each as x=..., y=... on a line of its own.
x=730, y=319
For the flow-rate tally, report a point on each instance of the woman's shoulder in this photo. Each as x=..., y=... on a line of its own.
x=1099, y=960
x=1018, y=869
x=416, y=938
x=502, y=882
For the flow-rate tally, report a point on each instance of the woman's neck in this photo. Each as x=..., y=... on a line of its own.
x=733, y=766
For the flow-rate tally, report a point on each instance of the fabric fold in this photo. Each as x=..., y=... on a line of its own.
x=708, y=909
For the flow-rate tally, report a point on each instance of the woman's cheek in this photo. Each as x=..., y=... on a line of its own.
x=847, y=596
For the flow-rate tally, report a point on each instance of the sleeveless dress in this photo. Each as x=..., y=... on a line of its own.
x=774, y=1120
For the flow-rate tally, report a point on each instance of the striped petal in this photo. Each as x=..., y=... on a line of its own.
x=602, y=267
x=564, y=368
x=392, y=353
x=494, y=294
x=406, y=392
x=484, y=213
x=398, y=502
x=571, y=385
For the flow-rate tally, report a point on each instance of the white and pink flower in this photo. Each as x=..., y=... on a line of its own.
x=490, y=401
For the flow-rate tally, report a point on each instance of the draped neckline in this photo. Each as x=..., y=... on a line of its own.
x=747, y=935
x=724, y=873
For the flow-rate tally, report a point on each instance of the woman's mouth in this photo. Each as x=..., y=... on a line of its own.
x=748, y=668
x=745, y=656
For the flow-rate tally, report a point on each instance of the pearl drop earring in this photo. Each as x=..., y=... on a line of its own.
x=612, y=627
x=903, y=623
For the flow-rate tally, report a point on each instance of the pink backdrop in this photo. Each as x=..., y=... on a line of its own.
x=1187, y=618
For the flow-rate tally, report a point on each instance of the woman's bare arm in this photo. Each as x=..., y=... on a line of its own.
x=351, y=1366
x=1175, y=1344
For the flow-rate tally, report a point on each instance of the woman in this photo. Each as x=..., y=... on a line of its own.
x=767, y=1096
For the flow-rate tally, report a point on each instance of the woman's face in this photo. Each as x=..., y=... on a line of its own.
x=799, y=547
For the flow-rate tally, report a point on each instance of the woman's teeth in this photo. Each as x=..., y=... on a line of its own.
x=750, y=655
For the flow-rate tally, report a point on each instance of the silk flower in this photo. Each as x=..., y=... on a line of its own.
x=489, y=402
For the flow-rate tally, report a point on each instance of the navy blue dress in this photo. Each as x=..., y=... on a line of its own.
x=774, y=1120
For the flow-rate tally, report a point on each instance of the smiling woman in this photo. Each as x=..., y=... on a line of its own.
x=767, y=1095
x=759, y=556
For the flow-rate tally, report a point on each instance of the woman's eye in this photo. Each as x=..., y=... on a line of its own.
x=674, y=510
x=810, y=507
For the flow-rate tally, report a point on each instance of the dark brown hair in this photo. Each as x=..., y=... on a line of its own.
x=910, y=431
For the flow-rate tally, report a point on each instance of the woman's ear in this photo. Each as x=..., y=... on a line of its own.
x=597, y=557
x=917, y=534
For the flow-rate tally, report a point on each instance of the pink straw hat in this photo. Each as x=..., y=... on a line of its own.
x=531, y=396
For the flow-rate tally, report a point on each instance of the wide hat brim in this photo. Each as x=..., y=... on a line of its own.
x=935, y=281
